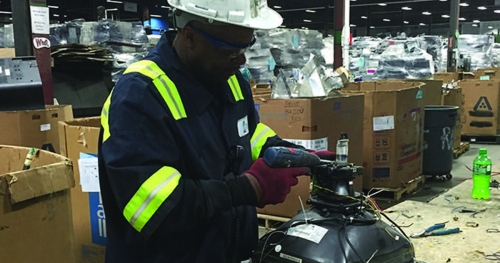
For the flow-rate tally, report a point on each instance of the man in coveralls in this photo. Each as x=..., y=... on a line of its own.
x=172, y=185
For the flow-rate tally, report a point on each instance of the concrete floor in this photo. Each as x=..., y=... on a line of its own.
x=433, y=187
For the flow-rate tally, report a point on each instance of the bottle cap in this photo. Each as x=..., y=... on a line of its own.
x=343, y=136
x=483, y=151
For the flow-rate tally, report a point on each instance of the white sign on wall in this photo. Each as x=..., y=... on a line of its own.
x=40, y=20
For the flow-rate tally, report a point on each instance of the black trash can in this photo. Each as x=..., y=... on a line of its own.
x=439, y=134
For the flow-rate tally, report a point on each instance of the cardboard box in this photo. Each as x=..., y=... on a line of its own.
x=34, y=128
x=393, y=131
x=487, y=73
x=82, y=136
x=447, y=77
x=481, y=107
x=315, y=124
x=35, y=208
x=454, y=97
x=7, y=52
x=433, y=90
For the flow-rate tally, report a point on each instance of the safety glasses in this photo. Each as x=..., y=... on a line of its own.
x=228, y=49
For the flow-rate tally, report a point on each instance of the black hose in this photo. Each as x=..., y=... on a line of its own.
x=394, y=223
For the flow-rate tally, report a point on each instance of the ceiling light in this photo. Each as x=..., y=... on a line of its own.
x=445, y=16
x=155, y=15
x=474, y=25
x=476, y=21
x=406, y=8
x=310, y=11
x=464, y=4
x=164, y=6
x=112, y=9
x=5, y=12
x=56, y=15
x=482, y=7
x=364, y=17
x=372, y=27
x=113, y=1
x=277, y=6
x=282, y=26
x=422, y=24
x=490, y=27
x=497, y=11
x=352, y=25
x=53, y=6
x=406, y=22
x=382, y=4
x=442, y=0
x=10, y=18
x=387, y=20
x=307, y=20
x=426, y=13
x=462, y=19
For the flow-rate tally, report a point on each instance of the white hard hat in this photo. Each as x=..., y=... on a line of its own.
x=246, y=13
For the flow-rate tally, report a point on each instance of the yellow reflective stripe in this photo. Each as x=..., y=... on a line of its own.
x=150, y=196
x=170, y=95
x=235, y=88
x=163, y=84
x=152, y=72
x=104, y=119
x=259, y=138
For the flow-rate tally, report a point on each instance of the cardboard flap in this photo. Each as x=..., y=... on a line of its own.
x=36, y=182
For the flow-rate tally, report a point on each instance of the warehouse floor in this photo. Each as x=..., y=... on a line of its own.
x=460, y=172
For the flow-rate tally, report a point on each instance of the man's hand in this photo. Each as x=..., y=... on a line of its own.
x=272, y=185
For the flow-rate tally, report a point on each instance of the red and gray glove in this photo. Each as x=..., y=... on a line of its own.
x=272, y=185
x=325, y=155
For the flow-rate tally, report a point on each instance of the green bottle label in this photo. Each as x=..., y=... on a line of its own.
x=482, y=169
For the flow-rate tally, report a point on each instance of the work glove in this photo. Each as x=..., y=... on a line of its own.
x=272, y=185
x=323, y=154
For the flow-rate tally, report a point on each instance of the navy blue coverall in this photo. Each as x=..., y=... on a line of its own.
x=164, y=170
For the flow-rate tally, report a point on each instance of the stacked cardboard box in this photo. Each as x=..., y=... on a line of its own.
x=488, y=73
x=454, y=97
x=78, y=137
x=35, y=207
x=315, y=124
x=393, y=131
x=34, y=128
x=481, y=105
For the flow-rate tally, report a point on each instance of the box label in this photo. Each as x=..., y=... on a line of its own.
x=97, y=219
x=383, y=123
x=317, y=145
x=381, y=173
x=45, y=127
x=89, y=174
x=484, y=78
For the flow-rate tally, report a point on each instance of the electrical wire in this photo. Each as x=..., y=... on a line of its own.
x=262, y=256
x=351, y=245
x=397, y=226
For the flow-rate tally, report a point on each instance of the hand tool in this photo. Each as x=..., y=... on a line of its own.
x=432, y=231
x=283, y=157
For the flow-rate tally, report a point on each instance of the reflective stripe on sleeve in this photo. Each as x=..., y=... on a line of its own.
x=104, y=118
x=150, y=196
x=235, y=88
x=259, y=138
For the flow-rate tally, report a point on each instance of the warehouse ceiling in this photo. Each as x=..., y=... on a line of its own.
x=313, y=14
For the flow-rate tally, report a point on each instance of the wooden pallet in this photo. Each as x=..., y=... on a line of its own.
x=270, y=222
x=463, y=148
x=395, y=194
x=483, y=139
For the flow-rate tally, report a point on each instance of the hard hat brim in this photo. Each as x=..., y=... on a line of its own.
x=266, y=19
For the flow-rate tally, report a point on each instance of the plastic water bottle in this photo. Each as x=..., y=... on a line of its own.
x=342, y=149
x=481, y=175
